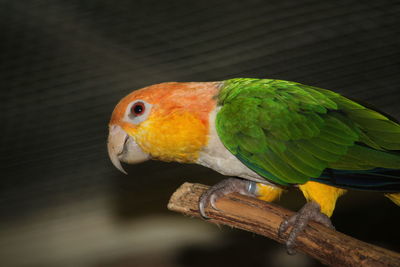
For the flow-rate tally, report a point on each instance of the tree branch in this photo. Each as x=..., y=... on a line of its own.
x=326, y=245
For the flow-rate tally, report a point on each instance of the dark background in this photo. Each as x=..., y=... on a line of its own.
x=65, y=64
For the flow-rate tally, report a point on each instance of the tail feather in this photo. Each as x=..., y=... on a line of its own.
x=379, y=179
x=394, y=197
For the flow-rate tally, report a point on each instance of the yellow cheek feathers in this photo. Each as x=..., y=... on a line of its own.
x=324, y=195
x=178, y=136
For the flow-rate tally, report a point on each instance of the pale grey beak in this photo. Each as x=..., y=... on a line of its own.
x=122, y=147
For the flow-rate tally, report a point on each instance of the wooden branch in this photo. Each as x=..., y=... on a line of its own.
x=326, y=245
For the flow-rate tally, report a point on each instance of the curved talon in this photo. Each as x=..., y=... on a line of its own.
x=299, y=221
x=225, y=187
x=285, y=225
x=209, y=197
x=202, y=204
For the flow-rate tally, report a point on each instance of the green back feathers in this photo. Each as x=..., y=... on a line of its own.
x=288, y=132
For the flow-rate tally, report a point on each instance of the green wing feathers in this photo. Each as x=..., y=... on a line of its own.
x=289, y=132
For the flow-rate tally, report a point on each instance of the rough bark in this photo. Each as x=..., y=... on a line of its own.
x=326, y=245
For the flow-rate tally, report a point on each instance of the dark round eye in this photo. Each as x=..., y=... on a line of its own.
x=138, y=108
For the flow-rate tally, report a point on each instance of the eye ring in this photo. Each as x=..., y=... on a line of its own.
x=138, y=108
x=137, y=111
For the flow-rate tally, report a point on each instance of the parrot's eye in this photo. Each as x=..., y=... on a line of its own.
x=137, y=111
x=138, y=108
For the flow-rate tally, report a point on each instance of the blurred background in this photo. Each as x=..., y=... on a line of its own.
x=65, y=64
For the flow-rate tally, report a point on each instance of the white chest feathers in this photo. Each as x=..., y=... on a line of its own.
x=215, y=156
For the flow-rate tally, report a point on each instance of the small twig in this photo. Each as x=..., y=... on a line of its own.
x=326, y=245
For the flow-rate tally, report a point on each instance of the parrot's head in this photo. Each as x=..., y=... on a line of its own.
x=168, y=121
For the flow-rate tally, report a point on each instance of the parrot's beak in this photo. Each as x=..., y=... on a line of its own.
x=122, y=147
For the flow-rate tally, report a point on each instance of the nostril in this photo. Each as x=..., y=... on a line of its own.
x=113, y=128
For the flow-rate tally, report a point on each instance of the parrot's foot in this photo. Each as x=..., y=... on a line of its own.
x=225, y=187
x=299, y=221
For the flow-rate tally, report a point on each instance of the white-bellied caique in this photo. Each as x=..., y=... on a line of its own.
x=266, y=135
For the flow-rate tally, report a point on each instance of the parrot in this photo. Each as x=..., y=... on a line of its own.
x=266, y=136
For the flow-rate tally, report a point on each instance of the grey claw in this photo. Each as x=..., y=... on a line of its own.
x=221, y=189
x=202, y=206
x=299, y=221
x=285, y=225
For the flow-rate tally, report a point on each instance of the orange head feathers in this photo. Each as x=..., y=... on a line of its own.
x=167, y=121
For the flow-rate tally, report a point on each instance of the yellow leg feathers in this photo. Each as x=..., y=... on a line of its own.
x=324, y=195
x=267, y=192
